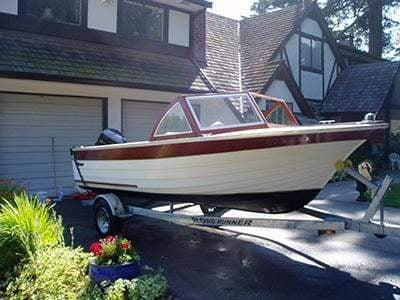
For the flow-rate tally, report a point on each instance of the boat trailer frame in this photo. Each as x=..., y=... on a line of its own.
x=325, y=224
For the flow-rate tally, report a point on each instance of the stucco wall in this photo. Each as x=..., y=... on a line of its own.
x=311, y=85
x=329, y=60
x=292, y=50
x=311, y=27
x=279, y=89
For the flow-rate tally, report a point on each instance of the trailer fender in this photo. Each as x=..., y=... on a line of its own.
x=115, y=205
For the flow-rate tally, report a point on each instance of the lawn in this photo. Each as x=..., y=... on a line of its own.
x=392, y=197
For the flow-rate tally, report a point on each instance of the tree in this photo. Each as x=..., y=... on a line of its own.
x=365, y=22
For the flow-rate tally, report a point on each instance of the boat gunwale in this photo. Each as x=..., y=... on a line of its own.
x=246, y=134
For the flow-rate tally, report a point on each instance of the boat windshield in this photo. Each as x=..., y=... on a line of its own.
x=224, y=111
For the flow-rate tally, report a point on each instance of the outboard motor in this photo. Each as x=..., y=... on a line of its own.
x=110, y=136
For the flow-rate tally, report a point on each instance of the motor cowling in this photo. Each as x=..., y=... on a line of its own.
x=110, y=136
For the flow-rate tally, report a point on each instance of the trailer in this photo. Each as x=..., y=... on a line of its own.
x=110, y=214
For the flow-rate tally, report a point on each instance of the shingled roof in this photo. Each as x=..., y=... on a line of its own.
x=222, y=52
x=361, y=88
x=30, y=55
x=261, y=36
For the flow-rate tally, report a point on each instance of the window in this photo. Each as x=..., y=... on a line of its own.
x=278, y=116
x=174, y=122
x=215, y=112
x=154, y=19
x=63, y=11
x=311, y=53
x=142, y=20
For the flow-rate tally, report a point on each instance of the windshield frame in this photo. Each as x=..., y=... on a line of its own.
x=261, y=123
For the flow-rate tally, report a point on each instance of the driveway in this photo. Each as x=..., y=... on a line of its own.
x=252, y=263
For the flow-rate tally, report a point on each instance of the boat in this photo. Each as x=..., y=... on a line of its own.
x=238, y=151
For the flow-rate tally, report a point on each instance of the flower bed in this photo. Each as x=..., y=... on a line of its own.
x=36, y=264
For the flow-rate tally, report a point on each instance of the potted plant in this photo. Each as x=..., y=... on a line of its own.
x=114, y=258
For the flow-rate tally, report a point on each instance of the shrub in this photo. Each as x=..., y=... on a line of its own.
x=61, y=273
x=54, y=273
x=8, y=189
x=146, y=287
x=25, y=227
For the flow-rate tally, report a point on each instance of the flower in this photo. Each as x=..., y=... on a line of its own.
x=110, y=239
x=96, y=248
x=125, y=245
x=114, y=250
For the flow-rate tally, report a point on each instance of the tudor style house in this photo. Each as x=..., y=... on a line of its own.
x=70, y=68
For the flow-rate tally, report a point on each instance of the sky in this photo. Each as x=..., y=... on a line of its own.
x=232, y=8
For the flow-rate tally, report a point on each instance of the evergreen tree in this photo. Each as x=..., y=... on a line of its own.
x=375, y=23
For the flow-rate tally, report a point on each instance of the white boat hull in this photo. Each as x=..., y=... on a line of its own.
x=282, y=169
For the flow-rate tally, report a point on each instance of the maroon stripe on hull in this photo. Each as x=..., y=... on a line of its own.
x=105, y=183
x=221, y=146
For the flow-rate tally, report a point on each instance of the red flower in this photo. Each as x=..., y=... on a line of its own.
x=125, y=245
x=96, y=249
x=110, y=239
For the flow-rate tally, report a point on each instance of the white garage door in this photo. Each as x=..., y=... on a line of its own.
x=139, y=118
x=36, y=133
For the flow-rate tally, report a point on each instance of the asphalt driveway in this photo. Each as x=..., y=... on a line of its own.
x=252, y=263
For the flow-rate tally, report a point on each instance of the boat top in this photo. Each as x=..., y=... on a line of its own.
x=196, y=116
x=224, y=116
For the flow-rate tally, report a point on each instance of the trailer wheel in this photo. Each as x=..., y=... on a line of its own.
x=106, y=224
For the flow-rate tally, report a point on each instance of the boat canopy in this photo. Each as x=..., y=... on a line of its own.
x=191, y=116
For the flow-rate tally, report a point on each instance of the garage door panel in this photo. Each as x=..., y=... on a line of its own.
x=139, y=118
x=26, y=171
x=36, y=157
x=36, y=133
x=54, y=120
x=43, y=109
x=47, y=99
x=48, y=132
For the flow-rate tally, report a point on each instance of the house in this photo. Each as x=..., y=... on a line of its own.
x=70, y=68
x=354, y=56
x=364, y=88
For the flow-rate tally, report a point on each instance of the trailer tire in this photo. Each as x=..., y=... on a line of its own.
x=106, y=223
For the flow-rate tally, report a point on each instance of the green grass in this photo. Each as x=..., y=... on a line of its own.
x=392, y=197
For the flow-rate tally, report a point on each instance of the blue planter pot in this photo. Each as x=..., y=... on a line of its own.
x=100, y=273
